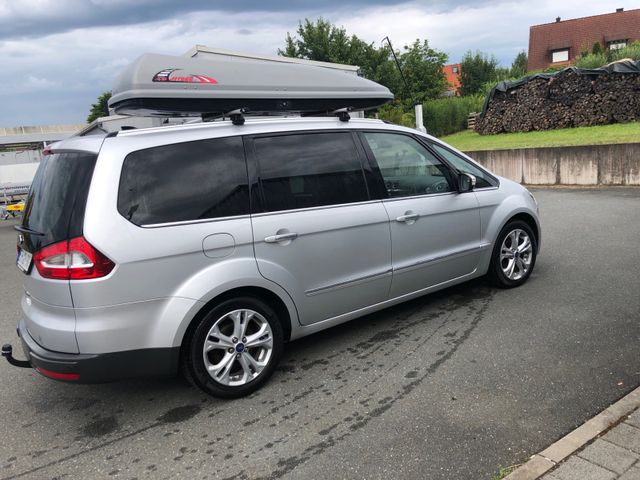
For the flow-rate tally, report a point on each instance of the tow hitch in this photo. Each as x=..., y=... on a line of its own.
x=7, y=351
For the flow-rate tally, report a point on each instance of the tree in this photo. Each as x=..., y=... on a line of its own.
x=374, y=62
x=597, y=49
x=323, y=41
x=519, y=65
x=475, y=70
x=100, y=108
x=422, y=67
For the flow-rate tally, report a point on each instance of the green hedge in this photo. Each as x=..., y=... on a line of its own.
x=592, y=60
x=595, y=60
x=396, y=113
x=445, y=116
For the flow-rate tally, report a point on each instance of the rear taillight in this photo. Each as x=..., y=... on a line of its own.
x=74, y=259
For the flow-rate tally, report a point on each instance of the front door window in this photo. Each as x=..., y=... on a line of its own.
x=407, y=168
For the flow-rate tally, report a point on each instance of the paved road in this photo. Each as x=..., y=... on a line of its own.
x=450, y=386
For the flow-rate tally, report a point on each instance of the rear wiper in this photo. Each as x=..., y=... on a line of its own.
x=22, y=229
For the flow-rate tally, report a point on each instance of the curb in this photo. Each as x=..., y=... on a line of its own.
x=543, y=462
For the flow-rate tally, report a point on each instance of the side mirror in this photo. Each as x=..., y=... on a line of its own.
x=466, y=182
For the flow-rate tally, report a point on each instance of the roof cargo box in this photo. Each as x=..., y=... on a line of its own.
x=162, y=85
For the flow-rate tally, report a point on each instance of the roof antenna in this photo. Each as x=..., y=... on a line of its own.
x=417, y=105
x=404, y=80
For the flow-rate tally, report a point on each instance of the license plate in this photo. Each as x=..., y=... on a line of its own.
x=24, y=260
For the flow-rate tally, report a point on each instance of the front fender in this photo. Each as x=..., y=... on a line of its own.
x=498, y=207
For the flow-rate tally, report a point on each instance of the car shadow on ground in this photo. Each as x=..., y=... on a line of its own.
x=306, y=348
x=98, y=415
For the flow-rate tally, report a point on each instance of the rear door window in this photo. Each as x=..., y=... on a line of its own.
x=188, y=181
x=309, y=170
x=54, y=210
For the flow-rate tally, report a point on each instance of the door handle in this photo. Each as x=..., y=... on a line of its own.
x=411, y=217
x=281, y=238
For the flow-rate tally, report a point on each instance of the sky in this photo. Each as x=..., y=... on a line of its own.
x=58, y=56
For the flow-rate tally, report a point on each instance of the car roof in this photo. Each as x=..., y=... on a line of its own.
x=89, y=143
x=225, y=128
x=254, y=126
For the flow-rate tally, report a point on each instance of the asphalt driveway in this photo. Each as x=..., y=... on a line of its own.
x=449, y=386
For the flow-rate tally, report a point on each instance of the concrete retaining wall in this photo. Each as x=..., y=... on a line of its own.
x=586, y=165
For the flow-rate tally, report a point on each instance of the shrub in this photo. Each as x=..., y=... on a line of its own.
x=596, y=60
x=592, y=60
x=597, y=49
x=630, y=51
x=449, y=115
x=396, y=113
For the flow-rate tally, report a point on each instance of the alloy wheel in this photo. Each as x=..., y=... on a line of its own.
x=516, y=254
x=238, y=347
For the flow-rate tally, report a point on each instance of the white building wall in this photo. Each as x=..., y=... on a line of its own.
x=25, y=156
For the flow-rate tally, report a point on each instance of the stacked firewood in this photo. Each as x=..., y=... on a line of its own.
x=567, y=99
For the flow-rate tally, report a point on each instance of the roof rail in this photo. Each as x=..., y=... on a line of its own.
x=343, y=113
x=237, y=116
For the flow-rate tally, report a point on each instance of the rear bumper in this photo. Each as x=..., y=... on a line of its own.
x=98, y=368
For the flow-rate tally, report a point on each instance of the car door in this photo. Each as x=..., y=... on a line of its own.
x=435, y=231
x=316, y=231
x=486, y=189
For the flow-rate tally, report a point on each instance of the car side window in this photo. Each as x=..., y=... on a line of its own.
x=309, y=170
x=483, y=180
x=184, y=181
x=406, y=166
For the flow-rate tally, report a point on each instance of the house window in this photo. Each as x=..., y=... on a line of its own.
x=455, y=69
x=560, y=55
x=617, y=44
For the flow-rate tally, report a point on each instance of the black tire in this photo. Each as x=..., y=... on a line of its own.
x=193, y=362
x=496, y=274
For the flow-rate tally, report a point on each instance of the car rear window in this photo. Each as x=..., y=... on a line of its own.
x=184, y=182
x=57, y=198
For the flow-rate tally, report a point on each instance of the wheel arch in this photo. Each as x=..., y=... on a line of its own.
x=260, y=293
x=530, y=221
x=494, y=273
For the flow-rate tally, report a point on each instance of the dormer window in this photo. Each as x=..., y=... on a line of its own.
x=561, y=55
x=616, y=44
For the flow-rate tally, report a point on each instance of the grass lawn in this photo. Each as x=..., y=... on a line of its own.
x=469, y=141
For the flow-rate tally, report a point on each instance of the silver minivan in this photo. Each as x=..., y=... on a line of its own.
x=204, y=248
